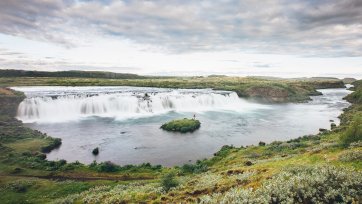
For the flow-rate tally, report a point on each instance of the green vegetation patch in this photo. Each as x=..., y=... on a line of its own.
x=353, y=132
x=317, y=184
x=182, y=125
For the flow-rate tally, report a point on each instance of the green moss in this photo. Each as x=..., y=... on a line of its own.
x=182, y=125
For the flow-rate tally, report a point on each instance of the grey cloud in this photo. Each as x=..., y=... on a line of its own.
x=33, y=19
x=345, y=12
x=305, y=28
x=10, y=53
x=261, y=65
x=59, y=65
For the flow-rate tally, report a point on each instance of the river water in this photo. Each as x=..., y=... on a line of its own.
x=124, y=121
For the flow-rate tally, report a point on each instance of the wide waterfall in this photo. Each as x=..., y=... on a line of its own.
x=123, y=102
x=124, y=122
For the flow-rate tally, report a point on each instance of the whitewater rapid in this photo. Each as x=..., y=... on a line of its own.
x=125, y=123
x=59, y=104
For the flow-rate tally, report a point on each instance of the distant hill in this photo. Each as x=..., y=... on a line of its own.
x=73, y=73
x=296, y=78
x=349, y=80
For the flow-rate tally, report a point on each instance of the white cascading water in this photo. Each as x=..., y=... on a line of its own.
x=44, y=108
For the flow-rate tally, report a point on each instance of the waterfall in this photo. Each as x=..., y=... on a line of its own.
x=43, y=107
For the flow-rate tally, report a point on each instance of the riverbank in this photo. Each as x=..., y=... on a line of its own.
x=223, y=176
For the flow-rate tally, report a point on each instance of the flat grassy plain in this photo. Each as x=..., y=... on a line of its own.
x=264, y=89
x=316, y=168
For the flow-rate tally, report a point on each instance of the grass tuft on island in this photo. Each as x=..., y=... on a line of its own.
x=182, y=125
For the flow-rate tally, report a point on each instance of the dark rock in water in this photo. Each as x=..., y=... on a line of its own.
x=322, y=130
x=146, y=97
x=248, y=163
x=261, y=143
x=123, y=132
x=333, y=125
x=331, y=121
x=95, y=151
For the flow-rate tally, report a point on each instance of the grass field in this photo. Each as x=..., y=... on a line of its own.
x=267, y=90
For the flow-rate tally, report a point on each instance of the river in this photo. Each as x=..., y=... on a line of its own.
x=124, y=122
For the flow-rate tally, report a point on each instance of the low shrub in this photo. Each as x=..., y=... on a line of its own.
x=41, y=156
x=305, y=138
x=107, y=167
x=168, y=181
x=317, y=184
x=20, y=186
x=356, y=144
x=62, y=162
x=199, y=167
x=283, y=147
x=351, y=156
x=135, y=192
x=353, y=132
x=111, y=167
x=225, y=150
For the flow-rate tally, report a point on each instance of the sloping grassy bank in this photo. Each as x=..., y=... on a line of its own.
x=266, y=90
x=327, y=168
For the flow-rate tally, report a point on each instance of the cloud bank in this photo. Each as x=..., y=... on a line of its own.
x=308, y=28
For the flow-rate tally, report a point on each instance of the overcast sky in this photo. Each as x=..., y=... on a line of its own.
x=183, y=37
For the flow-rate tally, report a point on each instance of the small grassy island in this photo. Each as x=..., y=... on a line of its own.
x=182, y=125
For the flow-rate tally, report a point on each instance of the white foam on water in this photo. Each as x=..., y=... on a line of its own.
x=60, y=104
